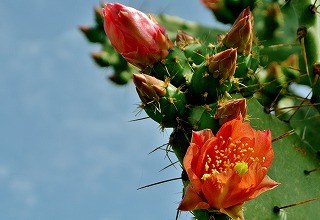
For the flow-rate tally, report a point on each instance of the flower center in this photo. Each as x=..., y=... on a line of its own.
x=229, y=155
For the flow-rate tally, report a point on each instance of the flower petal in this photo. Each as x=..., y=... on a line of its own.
x=264, y=147
x=211, y=163
x=266, y=184
x=200, y=137
x=192, y=201
x=189, y=161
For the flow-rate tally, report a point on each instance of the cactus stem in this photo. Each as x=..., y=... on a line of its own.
x=277, y=209
x=288, y=133
x=310, y=171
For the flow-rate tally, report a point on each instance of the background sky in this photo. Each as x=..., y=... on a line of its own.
x=67, y=150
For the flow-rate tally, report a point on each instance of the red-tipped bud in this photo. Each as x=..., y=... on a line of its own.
x=137, y=37
x=183, y=39
x=149, y=88
x=231, y=109
x=223, y=64
x=241, y=33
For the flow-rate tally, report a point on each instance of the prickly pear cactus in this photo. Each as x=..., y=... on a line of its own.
x=235, y=92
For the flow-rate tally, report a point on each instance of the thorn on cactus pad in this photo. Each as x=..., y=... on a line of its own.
x=160, y=182
x=310, y=171
x=286, y=134
x=276, y=209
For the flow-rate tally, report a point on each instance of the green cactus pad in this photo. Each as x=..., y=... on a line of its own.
x=174, y=67
x=202, y=117
x=204, y=88
x=169, y=109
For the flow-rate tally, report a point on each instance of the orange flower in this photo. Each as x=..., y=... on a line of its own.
x=227, y=169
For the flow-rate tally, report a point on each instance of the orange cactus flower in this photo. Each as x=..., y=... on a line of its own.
x=227, y=169
x=137, y=37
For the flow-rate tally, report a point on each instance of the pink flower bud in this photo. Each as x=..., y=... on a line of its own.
x=241, y=33
x=149, y=88
x=137, y=37
x=223, y=64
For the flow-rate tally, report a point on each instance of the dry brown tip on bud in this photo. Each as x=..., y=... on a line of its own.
x=84, y=28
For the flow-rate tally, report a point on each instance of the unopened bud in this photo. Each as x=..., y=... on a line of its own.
x=137, y=37
x=241, y=33
x=231, y=109
x=149, y=88
x=223, y=65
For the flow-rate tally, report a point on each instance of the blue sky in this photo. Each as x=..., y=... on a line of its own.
x=67, y=150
